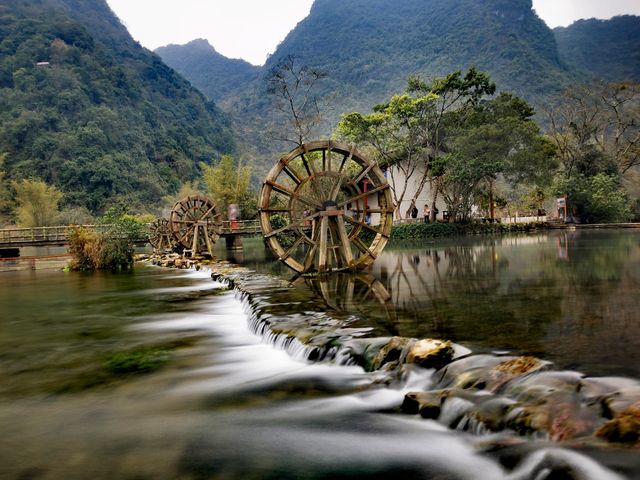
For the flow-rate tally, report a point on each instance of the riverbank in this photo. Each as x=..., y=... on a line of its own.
x=418, y=229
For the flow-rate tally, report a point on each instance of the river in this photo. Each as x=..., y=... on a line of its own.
x=158, y=374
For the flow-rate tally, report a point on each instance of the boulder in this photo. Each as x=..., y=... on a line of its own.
x=625, y=428
x=430, y=353
x=392, y=351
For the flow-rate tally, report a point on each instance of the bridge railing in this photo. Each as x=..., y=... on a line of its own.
x=58, y=234
x=246, y=227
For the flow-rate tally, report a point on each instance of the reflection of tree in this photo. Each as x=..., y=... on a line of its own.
x=468, y=293
x=595, y=257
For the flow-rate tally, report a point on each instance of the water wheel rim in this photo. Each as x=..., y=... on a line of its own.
x=326, y=159
x=196, y=223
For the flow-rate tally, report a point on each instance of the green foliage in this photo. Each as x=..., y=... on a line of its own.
x=286, y=239
x=138, y=361
x=213, y=74
x=409, y=132
x=228, y=183
x=5, y=196
x=109, y=247
x=596, y=199
x=493, y=138
x=411, y=231
x=104, y=119
x=595, y=131
x=602, y=49
x=36, y=203
x=74, y=216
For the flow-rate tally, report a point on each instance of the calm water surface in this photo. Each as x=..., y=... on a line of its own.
x=569, y=297
x=228, y=405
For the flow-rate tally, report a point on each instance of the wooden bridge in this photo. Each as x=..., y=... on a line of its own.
x=11, y=238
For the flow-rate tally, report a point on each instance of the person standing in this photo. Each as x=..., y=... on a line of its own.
x=414, y=212
x=425, y=213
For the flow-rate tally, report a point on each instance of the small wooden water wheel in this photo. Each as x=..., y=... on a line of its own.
x=160, y=236
x=196, y=224
x=325, y=207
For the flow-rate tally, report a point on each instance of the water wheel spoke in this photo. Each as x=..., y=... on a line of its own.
x=362, y=174
x=292, y=248
x=285, y=191
x=362, y=247
x=291, y=174
x=323, y=253
x=309, y=167
x=326, y=160
x=311, y=253
x=207, y=239
x=345, y=244
x=275, y=210
x=336, y=187
x=363, y=195
x=345, y=159
x=292, y=225
x=364, y=225
x=382, y=211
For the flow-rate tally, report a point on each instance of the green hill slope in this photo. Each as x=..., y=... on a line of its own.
x=602, y=49
x=86, y=108
x=213, y=74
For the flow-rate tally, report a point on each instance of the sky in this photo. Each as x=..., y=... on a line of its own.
x=252, y=29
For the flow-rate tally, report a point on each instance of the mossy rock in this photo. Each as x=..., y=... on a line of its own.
x=624, y=429
x=390, y=352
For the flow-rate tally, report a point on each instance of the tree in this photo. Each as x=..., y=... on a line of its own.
x=408, y=134
x=602, y=117
x=493, y=138
x=292, y=89
x=37, y=203
x=595, y=199
x=597, y=135
x=228, y=183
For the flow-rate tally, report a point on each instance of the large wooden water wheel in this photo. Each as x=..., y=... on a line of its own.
x=325, y=207
x=160, y=236
x=196, y=224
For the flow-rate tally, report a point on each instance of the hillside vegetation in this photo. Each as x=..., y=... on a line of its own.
x=210, y=72
x=85, y=108
x=602, y=49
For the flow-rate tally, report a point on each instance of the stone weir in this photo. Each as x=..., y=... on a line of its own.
x=518, y=397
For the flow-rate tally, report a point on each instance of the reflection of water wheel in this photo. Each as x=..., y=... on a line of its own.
x=357, y=292
x=196, y=224
x=325, y=207
x=160, y=236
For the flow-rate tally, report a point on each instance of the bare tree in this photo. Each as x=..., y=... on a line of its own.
x=292, y=87
x=601, y=116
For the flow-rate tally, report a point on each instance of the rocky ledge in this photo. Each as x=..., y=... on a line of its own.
x=480, y=393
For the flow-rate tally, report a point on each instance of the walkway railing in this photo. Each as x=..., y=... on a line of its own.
x=40, y=236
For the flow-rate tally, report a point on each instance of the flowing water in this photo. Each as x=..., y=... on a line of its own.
x=158, y=373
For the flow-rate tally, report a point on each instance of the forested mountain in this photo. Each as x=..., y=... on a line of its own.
x=213, y=74
x=86, y=108
x=368, y=48
x=602, y=49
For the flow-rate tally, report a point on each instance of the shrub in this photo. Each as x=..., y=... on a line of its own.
x=410, y=231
